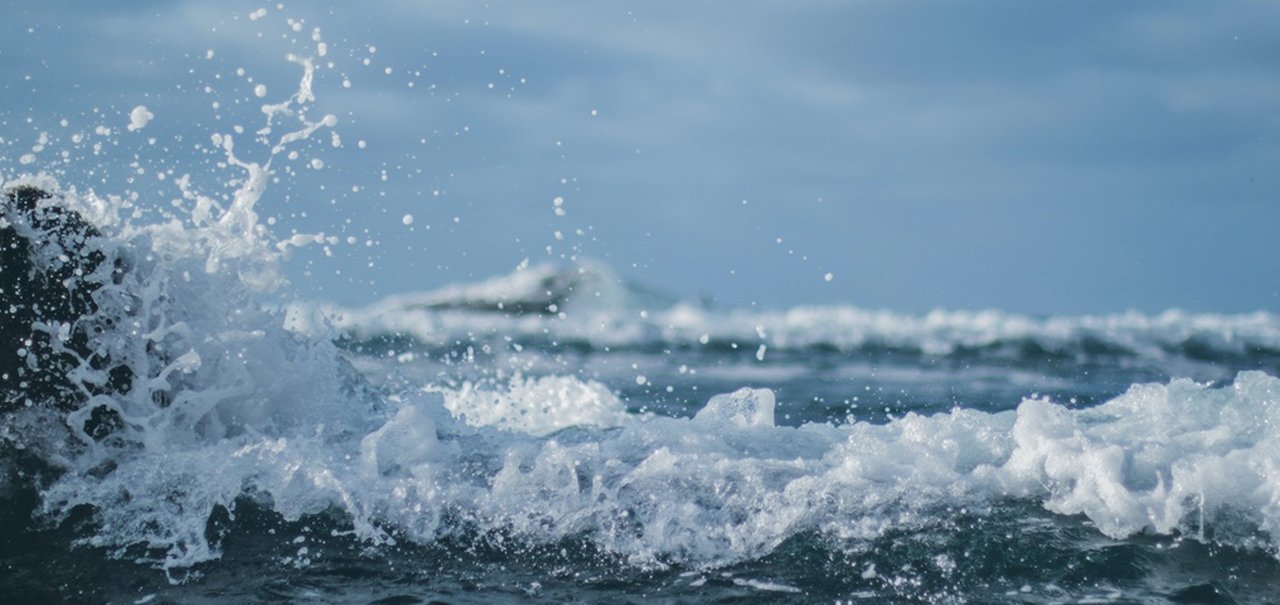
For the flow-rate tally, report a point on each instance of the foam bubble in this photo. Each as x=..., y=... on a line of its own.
x=140, y=117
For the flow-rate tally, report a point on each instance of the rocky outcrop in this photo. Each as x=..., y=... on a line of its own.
x=50, y=271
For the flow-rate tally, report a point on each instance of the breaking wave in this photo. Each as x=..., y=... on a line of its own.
x=187, y=397
x=231, y=404
x=587, y=305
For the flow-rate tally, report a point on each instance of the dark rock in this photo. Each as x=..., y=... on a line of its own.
x=49, y=274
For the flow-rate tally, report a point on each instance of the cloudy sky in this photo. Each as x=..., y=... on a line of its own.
x=1057, y=157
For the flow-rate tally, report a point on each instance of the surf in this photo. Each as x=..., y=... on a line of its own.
x=560, y=419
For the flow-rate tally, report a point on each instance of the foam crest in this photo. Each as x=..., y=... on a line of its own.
x=230, y=399
x=727, y=485
x=516, y=307
x=539, y=406
x=230, y=404
x=1162, y=458
x=744, y=407
x=1181, y=457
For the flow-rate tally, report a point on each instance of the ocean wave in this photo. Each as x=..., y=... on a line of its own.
x=233, y=401
x=230, y=400
x=724, y=486
x=594, y=311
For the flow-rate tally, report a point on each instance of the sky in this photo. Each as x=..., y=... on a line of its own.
x=1043, y=158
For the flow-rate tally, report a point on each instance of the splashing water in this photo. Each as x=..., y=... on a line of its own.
x=519, y=415
x=175, y=305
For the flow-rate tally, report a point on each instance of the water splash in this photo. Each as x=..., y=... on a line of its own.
x=231, y=403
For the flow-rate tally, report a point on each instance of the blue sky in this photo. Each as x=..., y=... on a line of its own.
x=1061, y=157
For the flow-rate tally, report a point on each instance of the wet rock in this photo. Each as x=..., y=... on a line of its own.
x=49, y=274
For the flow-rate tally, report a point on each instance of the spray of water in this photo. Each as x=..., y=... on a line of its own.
x=225, y=402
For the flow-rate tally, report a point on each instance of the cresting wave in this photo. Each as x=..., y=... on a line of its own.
x=230, y=404
x=588, y=305
x=227, y=400
x=724, y=486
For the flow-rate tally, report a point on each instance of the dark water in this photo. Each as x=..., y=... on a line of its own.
x=1006, y=552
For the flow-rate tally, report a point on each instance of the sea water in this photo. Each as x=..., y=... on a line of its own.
x=560, y=434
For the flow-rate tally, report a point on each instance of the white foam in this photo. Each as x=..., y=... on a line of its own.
x=1159, y=457
x=140, y=117
x=766, y=586
x=744, y=408
x=538, y=407
x=214, y=370
x=588, y=285
x=601, y=310
x=233, y=403
x=722, y=487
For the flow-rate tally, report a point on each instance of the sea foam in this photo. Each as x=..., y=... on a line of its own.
x=259, y=411
x=722, y=487
x=590, y=305
x=240, y=401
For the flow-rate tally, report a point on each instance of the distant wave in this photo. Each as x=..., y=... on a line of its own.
x=589, y=306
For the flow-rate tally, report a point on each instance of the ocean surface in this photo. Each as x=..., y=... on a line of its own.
x=601, y=445
x=189, y=432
